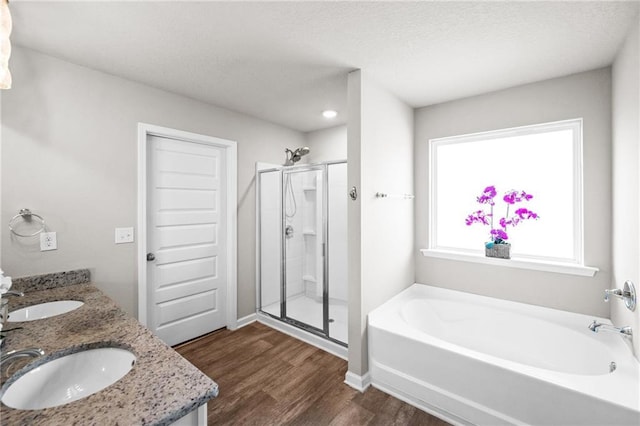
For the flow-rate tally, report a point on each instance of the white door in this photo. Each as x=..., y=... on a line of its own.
x=186, y=240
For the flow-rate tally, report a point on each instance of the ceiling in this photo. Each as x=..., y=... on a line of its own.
x=285, y=62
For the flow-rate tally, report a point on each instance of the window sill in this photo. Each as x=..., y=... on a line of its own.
x=535, y=265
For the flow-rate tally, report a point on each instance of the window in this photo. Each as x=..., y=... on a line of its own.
x=544, y=160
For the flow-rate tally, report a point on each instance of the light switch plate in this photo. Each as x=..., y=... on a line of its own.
x=124, y=235
x=48, y=241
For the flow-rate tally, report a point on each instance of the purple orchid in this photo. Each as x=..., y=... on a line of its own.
x=477, y=217
x=499, y=235
x=513, y=197
x=488, y=195
x=523, y=213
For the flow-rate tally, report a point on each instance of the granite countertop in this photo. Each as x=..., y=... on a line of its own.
x=160, y=388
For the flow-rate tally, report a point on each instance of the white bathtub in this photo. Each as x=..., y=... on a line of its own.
x=471, y=359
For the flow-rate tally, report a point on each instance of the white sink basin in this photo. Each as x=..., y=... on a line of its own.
x=44, y=310
x=69, y=378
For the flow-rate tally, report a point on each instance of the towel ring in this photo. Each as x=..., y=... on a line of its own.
x=26, y=215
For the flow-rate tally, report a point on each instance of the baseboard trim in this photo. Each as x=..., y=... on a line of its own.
x=246, y=320
x=359, y=383
x=312, y=339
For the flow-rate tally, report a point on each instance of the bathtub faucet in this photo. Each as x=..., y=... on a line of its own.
x=597, y=327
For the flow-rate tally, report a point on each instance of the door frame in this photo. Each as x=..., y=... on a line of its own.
x=231, y=158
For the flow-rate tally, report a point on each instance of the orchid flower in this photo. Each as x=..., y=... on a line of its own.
x=499, y=235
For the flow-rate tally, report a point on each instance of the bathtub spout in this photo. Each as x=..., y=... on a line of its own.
x=597, y=327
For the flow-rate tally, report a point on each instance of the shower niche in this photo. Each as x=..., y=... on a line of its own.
x=302, y=247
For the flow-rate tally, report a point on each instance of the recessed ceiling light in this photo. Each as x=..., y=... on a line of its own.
x=329, y=113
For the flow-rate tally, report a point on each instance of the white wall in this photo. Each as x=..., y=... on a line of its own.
x=69, y=138
x=586, y=95
x=327, y=144
x=357, y=332
x=626, y=179
x=380, y=149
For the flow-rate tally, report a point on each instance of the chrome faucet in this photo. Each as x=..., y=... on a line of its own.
x=627, y=293
x=31, y=352
x=13, y=293
x=613, y=292
x=597, y=327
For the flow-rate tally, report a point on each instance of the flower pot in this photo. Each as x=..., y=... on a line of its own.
x=502, y=251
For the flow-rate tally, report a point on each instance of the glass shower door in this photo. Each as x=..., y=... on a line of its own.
x=303, y=232
x=270, y=241
x=337, y=244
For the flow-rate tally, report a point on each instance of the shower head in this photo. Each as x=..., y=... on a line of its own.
x=294, y=156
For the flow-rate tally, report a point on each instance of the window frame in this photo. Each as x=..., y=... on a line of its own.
x=538, y=262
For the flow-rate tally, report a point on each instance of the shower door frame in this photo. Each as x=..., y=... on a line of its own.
x=324, y=332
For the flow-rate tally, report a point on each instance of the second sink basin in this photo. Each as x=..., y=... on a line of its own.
x=68, y=378
x=44, y=310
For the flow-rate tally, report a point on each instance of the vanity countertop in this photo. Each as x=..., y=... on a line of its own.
x=161, y=387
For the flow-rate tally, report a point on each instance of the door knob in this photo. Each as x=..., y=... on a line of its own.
x=150, y=257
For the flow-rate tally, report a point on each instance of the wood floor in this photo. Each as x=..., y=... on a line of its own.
x=269, y=378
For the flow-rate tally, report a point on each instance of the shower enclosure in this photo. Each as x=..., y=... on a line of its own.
x=302, y=247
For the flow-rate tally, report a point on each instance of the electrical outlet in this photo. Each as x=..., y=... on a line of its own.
x=124, y=235
x=48, y=241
